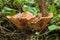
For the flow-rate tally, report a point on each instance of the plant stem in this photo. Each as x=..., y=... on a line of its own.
x=43, y=7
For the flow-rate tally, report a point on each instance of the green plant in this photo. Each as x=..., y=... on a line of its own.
x=33, y=10
x=1, y=3
x=23, y=2
x=56, y=17
x=53, y=27
x=57, y=2
x=0, y=27
x=8, y=11
x=51, y=37
x=52, y=9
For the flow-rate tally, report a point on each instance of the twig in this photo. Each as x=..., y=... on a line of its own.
x=5, y=29
x=57, y=37
x=43, y=7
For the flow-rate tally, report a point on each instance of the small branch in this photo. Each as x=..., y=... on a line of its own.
x=43, y=7
x=57, y=37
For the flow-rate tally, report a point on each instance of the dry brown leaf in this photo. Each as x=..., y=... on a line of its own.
x=27, y=15
x=27, y=19
x=15, y=20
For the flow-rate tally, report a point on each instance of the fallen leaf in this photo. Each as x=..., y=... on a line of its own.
x=27, y=20
x=15, y=20
x=53, y=27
